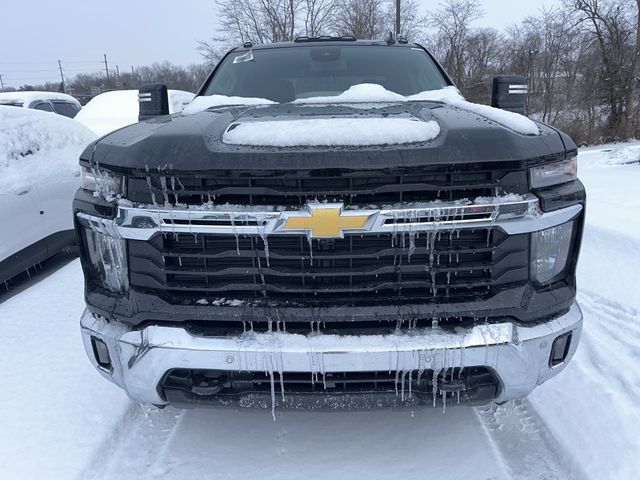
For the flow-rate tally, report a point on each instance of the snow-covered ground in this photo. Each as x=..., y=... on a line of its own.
x=60, y=419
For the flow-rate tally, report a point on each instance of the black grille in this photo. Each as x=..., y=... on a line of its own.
x=286, y=188
x=359, y=269
x=466, y=385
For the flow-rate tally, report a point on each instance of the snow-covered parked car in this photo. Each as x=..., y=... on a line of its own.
x=110, y=111
x=39, y=175
x=59, y=103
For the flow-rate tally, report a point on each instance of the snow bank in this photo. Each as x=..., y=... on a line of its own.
x=615, y=154
x=331, y=132
x=38, y=146
x=113, y=110
x=200, y=104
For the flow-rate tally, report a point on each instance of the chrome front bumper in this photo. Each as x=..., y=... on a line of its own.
x=518, y=354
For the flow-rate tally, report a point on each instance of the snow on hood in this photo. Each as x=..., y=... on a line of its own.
x=201, y=103
x=331, y=132
x=38, y=147
x=110, y=111
x=369, y=93
x=451, y=96
x=372, y=93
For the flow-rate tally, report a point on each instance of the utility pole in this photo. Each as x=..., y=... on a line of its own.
x=64, y=88
x=106, y=66
x=397, y=19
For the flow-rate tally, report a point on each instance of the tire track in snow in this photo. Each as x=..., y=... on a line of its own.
x=524, y=443
x=138, y=445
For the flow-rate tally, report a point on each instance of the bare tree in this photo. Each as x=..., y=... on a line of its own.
x=319, y=17
x=255, y=21
x=361, y=18
x=615, y=30
x=452, y=22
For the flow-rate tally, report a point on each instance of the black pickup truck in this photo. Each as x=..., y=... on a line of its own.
x=330, y=224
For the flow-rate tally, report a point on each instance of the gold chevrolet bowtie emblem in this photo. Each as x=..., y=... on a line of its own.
x=327, y=221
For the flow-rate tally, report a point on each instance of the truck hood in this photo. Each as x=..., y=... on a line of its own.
x=195, y=142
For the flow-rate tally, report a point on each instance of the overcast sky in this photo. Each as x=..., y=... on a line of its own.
x=34, y=34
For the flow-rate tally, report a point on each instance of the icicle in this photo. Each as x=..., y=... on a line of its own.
x=310, y=240
x=434, y=388
x=235, y=231
x=163, y=185
x=273, y=394
x=397, y=379
x=153, y=195
x=494, y=217
x=281, y=373
x=395, y=229
x=444, y=401
x=264, y=283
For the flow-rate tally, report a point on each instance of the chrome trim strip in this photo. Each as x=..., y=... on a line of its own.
x=513, y=217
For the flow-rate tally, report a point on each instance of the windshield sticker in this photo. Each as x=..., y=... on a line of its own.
x=247, y=57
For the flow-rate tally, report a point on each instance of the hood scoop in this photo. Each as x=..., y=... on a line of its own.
x=352, y=131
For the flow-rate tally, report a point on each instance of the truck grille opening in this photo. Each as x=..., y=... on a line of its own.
x=361, y=187
x=223, y=270
x=403, y=324
x=466, y=385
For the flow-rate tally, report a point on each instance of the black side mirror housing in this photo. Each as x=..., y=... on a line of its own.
x=153, y=100
x=509, y=93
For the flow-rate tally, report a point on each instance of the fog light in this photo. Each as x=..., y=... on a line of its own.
x=101, y=353
x=560, y=349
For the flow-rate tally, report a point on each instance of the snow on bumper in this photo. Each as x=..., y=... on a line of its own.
x=518, y=354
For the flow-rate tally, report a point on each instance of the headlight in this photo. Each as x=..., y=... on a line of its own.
x=554, y=173
x=550, y=252
x=107, y=259
x=105, y=183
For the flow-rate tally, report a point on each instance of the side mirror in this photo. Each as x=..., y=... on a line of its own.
x=509, y=93
x=153, y=100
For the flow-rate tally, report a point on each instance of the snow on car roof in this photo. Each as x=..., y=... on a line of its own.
x=38, y=147
x=110, y=111
x=27, y=97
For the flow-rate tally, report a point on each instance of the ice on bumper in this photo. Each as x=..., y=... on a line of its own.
x=519, y=355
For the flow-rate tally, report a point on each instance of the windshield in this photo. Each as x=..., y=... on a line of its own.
x=291, y=73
